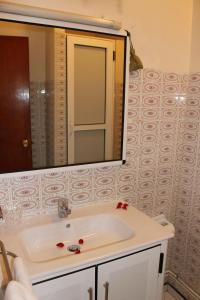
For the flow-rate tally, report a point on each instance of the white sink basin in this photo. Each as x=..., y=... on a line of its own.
x=96, y=231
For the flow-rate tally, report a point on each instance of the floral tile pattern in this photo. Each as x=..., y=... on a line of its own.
x=161, y=173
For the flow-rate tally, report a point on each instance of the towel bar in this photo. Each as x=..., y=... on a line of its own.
x=4, y=254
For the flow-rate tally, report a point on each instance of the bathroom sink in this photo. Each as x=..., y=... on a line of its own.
x=95, y=231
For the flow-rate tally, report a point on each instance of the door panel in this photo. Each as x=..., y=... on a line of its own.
x=90, y=95
x=83, y=140
x=15, y=131
x=77, y=286
x=90, y=87
x=131, y=278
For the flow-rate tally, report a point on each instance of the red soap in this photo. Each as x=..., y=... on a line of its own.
x=81, y=241
x=60, y=245
x=77, y=252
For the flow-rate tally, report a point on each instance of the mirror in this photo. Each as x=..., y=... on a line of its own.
x=61, y=96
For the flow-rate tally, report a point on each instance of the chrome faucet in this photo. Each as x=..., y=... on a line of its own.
x=63, y=208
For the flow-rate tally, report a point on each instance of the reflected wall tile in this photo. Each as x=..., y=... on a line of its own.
x=133, y=114
x=169, y=101
x=134, y=87
x=150, y=101
x=136, y=75
x=133, y=100
x=193, y=89
x=194, y=78
x=151, y=88
x=168, y=113
x=171, y=78
x=189, y=114
x=150, y=114
x=152, y=75
x=192, y=102
x=171, y=88
x=133, y=128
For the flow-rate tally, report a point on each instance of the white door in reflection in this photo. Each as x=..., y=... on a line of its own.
x=90, y=97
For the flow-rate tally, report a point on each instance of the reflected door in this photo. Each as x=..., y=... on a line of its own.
x=15, y=130
x=90, y=94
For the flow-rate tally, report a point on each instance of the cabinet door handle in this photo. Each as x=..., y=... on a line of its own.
x=90, y=291
x=106, y=285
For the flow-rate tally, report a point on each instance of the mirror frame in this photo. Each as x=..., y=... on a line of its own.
x=27, y=19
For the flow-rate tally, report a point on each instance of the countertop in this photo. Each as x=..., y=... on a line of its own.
x=147, y=233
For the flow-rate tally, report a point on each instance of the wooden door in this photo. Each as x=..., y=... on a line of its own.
x=77, y=286
x=15, y=130
x=134, y=277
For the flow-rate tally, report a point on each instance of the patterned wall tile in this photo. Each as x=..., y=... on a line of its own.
x=161, y=173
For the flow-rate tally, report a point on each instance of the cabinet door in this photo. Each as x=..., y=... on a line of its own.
x=77, y=286
x=134, y=277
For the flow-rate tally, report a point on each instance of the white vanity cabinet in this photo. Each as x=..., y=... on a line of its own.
x=76, y=286
x=135, y=277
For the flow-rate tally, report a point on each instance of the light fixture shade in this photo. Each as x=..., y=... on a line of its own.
x=38, y=12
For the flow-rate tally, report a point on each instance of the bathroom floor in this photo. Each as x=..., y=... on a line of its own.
x=167, y=296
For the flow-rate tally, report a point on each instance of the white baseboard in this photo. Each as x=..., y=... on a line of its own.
x=175, y=286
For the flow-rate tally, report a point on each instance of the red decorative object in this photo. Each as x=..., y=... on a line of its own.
x=81, y=241
x=125, y=205
x=60, y=245
x=77, y=252
x=119, y=205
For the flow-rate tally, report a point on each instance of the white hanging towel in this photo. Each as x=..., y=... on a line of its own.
x=21, y=273
x=16, y=291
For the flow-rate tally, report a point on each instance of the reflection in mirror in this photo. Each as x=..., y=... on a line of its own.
x=61, y=96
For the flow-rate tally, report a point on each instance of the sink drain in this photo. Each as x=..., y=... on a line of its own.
x=73, y=248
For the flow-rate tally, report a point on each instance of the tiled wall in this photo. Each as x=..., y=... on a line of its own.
x=38, y=125
x=60, y=157
x=161, y=173
x=185, y=259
